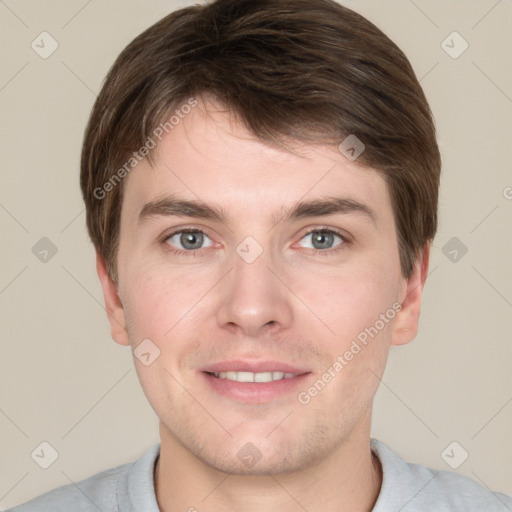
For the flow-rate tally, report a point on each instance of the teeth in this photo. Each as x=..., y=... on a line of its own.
x=263, y=377
x=254, y=377
x=243, y=376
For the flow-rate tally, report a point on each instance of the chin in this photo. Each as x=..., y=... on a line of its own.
x=249, y=460
x=261, y=454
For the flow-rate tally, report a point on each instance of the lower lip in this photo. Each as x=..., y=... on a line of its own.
x=254, y=392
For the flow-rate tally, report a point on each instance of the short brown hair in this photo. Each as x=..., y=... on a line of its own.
x=310, y=70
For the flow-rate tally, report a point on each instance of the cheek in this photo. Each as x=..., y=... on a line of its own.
x=158, y=306
x=348, y=301
x=159, y=302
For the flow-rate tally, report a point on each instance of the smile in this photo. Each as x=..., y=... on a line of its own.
x=253, y=377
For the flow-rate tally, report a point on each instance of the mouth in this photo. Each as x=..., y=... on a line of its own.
x=253, y=382
x=253, y=377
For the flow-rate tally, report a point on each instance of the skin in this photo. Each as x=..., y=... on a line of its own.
x=290, y=304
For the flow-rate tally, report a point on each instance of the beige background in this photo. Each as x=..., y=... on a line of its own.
x=65, y=382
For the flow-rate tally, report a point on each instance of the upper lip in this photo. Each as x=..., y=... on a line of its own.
x=253, y=366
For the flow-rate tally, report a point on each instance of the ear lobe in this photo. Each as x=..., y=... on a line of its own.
x=113, y=305
x=405, y=326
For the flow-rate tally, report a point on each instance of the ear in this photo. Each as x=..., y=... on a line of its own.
x=113, y=305
x=405, y=326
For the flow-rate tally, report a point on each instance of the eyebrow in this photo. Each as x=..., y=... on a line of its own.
x=173, y=206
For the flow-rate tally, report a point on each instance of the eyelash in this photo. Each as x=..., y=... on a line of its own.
x=322, y=252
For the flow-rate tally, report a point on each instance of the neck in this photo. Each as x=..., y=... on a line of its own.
x=348, y=480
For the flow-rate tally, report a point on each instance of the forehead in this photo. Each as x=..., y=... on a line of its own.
x=210, y=157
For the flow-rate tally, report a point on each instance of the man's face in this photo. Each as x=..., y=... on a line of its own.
x=256, y=293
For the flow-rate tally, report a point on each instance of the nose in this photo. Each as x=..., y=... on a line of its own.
x=253, y=298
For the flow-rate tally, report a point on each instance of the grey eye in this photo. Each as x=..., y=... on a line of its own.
x=323, y=239
x=188, y=240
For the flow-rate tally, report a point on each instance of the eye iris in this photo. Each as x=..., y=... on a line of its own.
x=194, y=239
x=321, y=237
